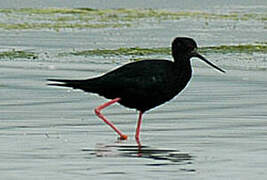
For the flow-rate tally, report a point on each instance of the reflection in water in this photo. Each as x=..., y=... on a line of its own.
x=163, y=156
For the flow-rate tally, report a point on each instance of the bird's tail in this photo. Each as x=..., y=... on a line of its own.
x=66, y=83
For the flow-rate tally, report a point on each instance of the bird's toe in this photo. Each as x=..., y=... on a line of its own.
x=123, y=137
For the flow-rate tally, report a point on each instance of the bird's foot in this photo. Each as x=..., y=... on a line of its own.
x=138, y=142
x=123, y=137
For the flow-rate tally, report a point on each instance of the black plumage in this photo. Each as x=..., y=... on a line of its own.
x=144, y=84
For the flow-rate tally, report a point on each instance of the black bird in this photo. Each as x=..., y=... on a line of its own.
x=145, y=84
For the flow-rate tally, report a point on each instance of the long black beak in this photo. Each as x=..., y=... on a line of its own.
x=196, y=54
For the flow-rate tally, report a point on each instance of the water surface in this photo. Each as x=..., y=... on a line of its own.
x=215, y=129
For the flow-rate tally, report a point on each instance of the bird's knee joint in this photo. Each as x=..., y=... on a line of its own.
x=97, y=111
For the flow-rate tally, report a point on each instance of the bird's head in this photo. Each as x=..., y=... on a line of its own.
x=183, y=48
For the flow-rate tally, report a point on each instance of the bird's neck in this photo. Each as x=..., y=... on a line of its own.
x=183, y=72
x=183, y=67
x=181, y=61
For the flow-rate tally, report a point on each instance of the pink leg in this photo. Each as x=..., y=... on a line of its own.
x=138, y=128
x=100, y=115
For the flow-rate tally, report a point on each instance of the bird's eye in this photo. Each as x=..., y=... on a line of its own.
x=191, y=48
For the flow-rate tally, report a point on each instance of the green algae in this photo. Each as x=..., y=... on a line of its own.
x=18, y=54
x=133, y=13
x=58, y=18
x=139, y=52
x=56, y=26
x=247, y=48
x=122, y=52
x=46, y=10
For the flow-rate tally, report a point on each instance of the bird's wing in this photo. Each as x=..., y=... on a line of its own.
x=135, y=79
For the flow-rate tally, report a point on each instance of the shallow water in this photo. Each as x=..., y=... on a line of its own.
x=215, y=129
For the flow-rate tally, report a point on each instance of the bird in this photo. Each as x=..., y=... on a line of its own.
x=144, y=84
